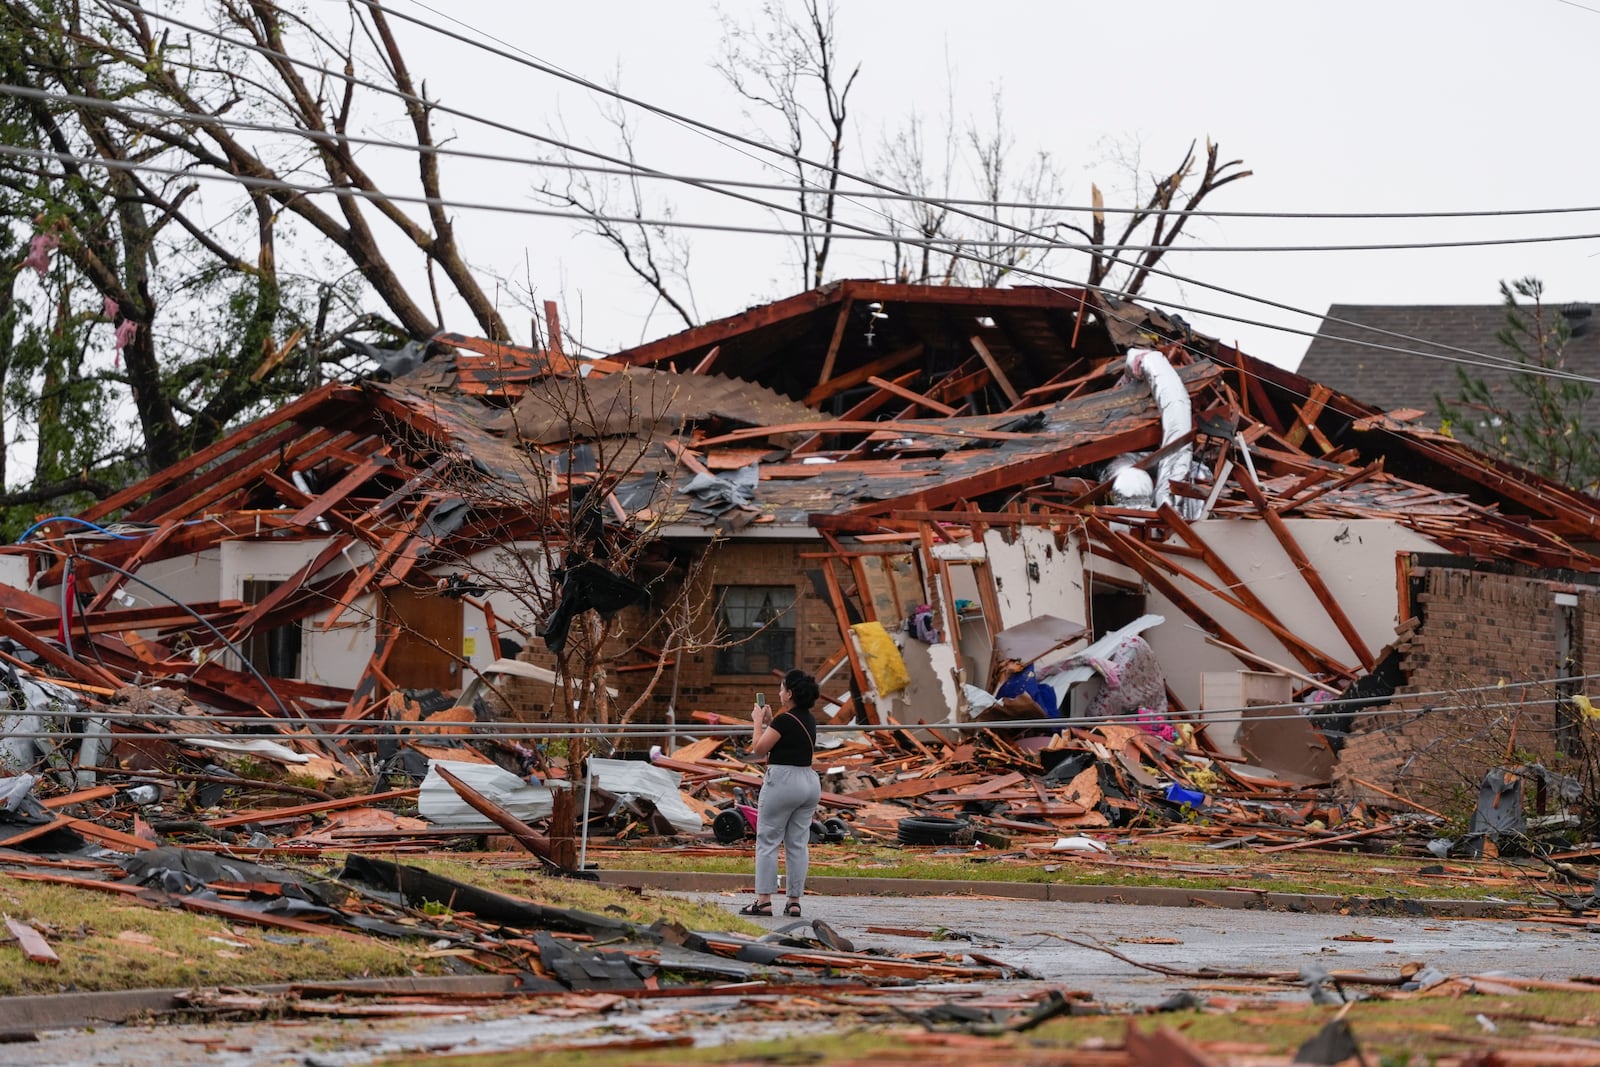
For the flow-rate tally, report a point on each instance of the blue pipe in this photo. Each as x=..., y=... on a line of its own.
x=73, y=518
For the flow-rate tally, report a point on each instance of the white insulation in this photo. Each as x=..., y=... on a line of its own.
x=1177, y=419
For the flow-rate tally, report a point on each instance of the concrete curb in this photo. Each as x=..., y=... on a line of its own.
x=1165, y=896
x=25, y=1015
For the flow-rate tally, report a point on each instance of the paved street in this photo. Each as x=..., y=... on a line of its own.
x=1021, y=933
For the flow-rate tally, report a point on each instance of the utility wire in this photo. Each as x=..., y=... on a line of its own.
x=716, y=133
x=1482, y=360
x=636, y=171
x=412, y=99
x=713, y=133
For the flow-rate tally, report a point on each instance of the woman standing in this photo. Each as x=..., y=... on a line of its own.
x=789, y=793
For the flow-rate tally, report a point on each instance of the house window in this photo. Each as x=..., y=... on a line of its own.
x=275, y=652
x=756, y=627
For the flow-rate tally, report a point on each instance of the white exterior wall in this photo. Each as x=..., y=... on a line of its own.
x=1355, y=558
x=515, y=616
x=333, y=657
x=14, y=571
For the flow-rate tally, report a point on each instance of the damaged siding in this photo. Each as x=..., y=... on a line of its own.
x=1034, y=575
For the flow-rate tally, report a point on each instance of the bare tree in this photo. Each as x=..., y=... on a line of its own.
x=124, y=109
x=655, y=254
x=554, y=537
x=789, y=66
x=1165, y=224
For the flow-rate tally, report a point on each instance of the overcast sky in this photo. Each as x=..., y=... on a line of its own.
x=1422, y=105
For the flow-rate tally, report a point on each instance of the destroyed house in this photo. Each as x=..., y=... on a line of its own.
x=946, y=502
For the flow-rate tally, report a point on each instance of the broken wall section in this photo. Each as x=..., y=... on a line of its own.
x=1356, y=558
x=1454, y=719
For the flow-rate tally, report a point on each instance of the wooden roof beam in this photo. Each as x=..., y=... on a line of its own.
x=852, y=378
x=1313, y=579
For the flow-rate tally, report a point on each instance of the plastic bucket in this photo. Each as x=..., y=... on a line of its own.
x=1190, y=798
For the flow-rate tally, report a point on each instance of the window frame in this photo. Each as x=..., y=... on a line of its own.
x=781, y=626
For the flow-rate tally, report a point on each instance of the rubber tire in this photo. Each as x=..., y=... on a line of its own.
x=933, y=830
x=728, y=826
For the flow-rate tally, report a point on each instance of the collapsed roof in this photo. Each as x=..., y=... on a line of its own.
x=850, y=409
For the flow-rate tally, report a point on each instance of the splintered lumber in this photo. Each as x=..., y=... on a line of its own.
x=832, y=800
x=53, y=656
x=1310, y=658
x=916, y=787
x=911, y=395
x=106, y=836
x=33, y=944
x=852, y=378
x=241, y=914
x=1319, y=841
x=82, y=796
x=284, y=814
x=993, y=364
x=832, y=354
x=1276, y=668
x=96, y=884
x=1125, y=550
x=1396, y=796
x=520, y=831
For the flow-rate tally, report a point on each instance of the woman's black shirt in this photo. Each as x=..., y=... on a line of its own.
x=797, y=738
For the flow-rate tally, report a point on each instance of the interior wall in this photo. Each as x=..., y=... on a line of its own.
x=1355, y=558
x=1058, y=588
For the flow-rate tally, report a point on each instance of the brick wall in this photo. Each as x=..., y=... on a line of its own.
x=1443, y=732
x=699, y=686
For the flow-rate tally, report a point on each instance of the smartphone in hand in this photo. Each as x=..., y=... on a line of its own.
x=761, y=699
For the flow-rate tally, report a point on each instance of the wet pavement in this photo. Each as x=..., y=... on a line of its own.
x=1021, y=933
x=1029, y=935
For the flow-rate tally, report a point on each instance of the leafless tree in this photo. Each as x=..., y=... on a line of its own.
x=1180, y=189
x=934, y=249
x=657, y=255
x=788, y=65
x=556, y=522
x=126, y=108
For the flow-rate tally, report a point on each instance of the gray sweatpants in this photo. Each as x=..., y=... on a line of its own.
x=789, y=798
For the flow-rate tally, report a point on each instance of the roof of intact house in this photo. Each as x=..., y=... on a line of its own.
x=1362, y=360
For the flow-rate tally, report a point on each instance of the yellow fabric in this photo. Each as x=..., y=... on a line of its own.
x=884, y=664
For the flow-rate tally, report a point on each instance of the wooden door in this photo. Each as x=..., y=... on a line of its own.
x=428, y=639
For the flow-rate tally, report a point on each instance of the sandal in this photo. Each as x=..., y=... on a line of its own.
x=757, y=907
x=792, y=909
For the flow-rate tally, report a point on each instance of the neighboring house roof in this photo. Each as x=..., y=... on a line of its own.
x=1361, y=361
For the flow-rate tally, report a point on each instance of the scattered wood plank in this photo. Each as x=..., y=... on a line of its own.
x=32, y=943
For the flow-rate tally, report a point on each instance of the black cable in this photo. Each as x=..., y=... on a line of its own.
x=710, y=130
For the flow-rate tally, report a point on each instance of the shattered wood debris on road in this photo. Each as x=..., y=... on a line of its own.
x=1069, y=574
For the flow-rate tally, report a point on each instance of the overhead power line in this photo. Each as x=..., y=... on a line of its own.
x=716, y=133
x=1474, y=358
x=278, y=185
x=326, y=137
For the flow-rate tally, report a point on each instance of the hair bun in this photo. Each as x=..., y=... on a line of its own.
x=803, y=689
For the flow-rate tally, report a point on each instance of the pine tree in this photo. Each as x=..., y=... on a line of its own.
x=1544, y=423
